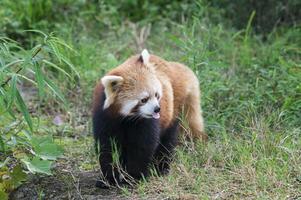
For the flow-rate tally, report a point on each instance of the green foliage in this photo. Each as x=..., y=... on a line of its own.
x=18, y=63
x=269, y=13
x=86, y=15
x=149, y=11
x=19, y=141
x=242, y=75
x=37, y=166
x=10, y=180
x=45, y=148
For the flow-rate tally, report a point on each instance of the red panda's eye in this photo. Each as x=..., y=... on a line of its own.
x=157, y=95
x=144, y=100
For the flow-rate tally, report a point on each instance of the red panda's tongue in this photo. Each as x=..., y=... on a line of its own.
x=156, y=115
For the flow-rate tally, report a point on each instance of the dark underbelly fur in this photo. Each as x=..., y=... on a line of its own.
x=138, y=143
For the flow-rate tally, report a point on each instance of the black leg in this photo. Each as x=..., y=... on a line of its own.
x=165, y=150
x=142, y=141
x=108, y=167
x=106, y=129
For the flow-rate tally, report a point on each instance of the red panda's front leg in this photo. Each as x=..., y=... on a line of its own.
x=106, y=131
x=137, y=164
x=108, y=169
x=165, y=150
x=141, y=143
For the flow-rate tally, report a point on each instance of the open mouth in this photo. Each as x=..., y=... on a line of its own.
x=154, y=115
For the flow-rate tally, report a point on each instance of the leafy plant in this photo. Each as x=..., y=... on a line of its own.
x=19, y=139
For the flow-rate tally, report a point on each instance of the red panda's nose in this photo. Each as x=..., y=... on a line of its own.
x=157, y=109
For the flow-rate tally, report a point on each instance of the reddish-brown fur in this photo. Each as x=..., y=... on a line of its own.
x=180, y=90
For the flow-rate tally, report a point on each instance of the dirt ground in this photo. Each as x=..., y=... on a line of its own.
x=65, y=186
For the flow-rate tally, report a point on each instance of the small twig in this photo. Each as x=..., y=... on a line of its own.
x=20, y=68
x=36, y=53
x=9, y=78
x=76, y=185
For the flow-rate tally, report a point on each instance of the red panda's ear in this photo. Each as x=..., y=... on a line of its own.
x=111, y=84
x=144, y=57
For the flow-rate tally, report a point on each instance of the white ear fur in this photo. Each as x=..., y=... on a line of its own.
x=109, y=79
x=145, y=56
x=109, y=82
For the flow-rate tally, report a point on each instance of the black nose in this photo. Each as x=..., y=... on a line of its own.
x=157, y=109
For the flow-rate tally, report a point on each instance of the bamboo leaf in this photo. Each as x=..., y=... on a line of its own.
x=59, y=41
x=40, y=80
x=55, y=50
x=11, y=64
x=23, y=109
x=55, y=89
x=12, y=91
x=71, y=66
x=36, y=31
x=56, y=67
x=27, y=79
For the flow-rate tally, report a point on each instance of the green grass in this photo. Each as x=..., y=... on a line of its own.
x=251, y=98
x=251, y=102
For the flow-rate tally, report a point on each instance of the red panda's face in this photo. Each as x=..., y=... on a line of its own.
x=136, y=95
x=141, y=99
x=134, y=89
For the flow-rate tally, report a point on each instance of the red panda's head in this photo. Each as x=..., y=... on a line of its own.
x=134, y=89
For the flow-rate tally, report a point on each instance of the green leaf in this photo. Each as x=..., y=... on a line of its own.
x=59, y=41
x=11, y=64
x=41, y=140
x=36, y=165
x=17, y=176
x=45, y=148
x=48, y=151
x=40, y=80
x=71, y=66
x=55, y=89
x=54, y=50
x=56, y=67
x=2, y=164
x=24, y=110
x=36, y=31
x=2, y=146
x=3, y=195
x=12, y=91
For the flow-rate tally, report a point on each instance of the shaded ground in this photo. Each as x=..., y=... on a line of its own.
x=64, y=185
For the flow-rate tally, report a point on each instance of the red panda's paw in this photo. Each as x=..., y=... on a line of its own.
x=102, y=184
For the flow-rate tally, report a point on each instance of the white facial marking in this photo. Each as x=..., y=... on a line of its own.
x=147, y=110
x=127, y=107
x=143, y=95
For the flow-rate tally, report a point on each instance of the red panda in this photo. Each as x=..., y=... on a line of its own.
x=137, y=104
